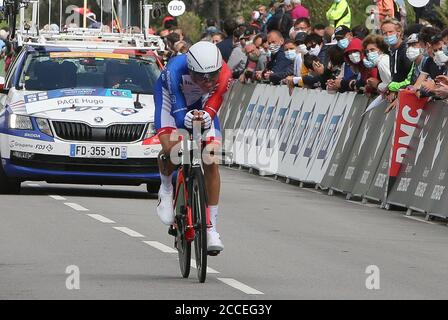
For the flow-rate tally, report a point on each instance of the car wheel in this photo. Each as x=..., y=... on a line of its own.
x=8, y=185
x=153, y=186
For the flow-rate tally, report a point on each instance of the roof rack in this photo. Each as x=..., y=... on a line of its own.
x=87, y=37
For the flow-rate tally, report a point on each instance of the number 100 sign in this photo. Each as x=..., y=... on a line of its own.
x=176, y=8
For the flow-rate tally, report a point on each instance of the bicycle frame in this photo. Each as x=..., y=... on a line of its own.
x=191, y=160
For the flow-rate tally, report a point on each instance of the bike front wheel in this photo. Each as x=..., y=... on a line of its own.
x=200, y=223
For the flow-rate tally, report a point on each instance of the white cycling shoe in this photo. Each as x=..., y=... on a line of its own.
x=214, y=242
x=165, y=209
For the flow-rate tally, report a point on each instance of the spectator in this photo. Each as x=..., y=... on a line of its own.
x=360, y=32
x=279, y=67
x=329, y=35
x=240, y=21
x=211, y=26
x=256, y=20
x=261, y=43
x=168, y=22
x=315, y=46
x=300, y=25
x=181, y=47
x=343, y=35
x=335, y=60
x=319, y=29
x=400, y=65
x=434, y=66
x=386, y=9
x=298, y=10
x=299, y=68
x=414, y=53
x=217, y=37
x=318, y=76
x=376, y=56
x=238, y=59
x=282, y=20
x=226, y=46
x=339, y=14
x=253, y=55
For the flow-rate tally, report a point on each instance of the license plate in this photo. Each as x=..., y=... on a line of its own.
x=89, y=151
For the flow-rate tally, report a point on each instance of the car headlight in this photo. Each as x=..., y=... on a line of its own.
x=150, y=131
x=44, y=126
x=20, y=122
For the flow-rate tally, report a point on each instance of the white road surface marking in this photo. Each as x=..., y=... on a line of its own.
x=101, y=218
x=160, y=246
x=59, y=198
x=129, y=232
x=76, y=206
x=239, y=286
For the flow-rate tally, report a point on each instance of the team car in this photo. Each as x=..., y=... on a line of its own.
x=76, y=113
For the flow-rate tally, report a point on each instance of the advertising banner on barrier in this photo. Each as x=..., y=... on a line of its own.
x=325, y=104
x=365, y=139
x=411, y=180
x=345, y=142
x=377, y=189
x=255, y=134
x=374, y=154
x=429, y=179
x=239, y=103
x=270, y=142
x=330, y=137
x=408, y=114
x=249, y=123
x=437, y=195
x=230, y=95
x=295, y=132
x=241, y=121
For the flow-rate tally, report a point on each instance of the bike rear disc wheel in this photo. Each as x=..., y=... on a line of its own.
x=200, y=223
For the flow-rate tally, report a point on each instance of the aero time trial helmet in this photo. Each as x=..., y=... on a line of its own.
x=204, y=60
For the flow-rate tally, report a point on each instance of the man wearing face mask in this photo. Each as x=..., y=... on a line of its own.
x=400, y=65
x=343, y=36
x=339, y=14
x=415, y=54
x=434, y=66
x=299, y=68
x=279, y=67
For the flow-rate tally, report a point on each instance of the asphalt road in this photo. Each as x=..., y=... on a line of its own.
x=281, y=242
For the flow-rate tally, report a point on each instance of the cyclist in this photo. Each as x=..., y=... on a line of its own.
x=191, y=87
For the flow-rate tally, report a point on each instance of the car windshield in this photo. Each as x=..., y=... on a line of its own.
x=58, y=70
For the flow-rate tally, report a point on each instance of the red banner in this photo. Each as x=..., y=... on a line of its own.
x=408, y=114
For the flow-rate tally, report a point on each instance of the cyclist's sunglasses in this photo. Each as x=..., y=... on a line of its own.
x=205, y=77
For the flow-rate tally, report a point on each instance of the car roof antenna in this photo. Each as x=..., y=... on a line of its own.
x=137, y=104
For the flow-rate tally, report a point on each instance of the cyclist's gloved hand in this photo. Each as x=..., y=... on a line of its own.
x=206, y=120
x=188, y=120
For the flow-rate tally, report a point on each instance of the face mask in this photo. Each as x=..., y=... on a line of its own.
x=337, y=1
x=445, y=49
x=291, y=54
x=373, y=57
x=391, y=40
x=440, y=58
x=355, y=57
x=412, y=53
x=303, y=49
x=315, y=51
x=274, y=48
x=368, y=64
x=343, y=44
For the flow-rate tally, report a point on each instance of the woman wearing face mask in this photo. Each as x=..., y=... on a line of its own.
x=375, y=50
x=354, y=58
